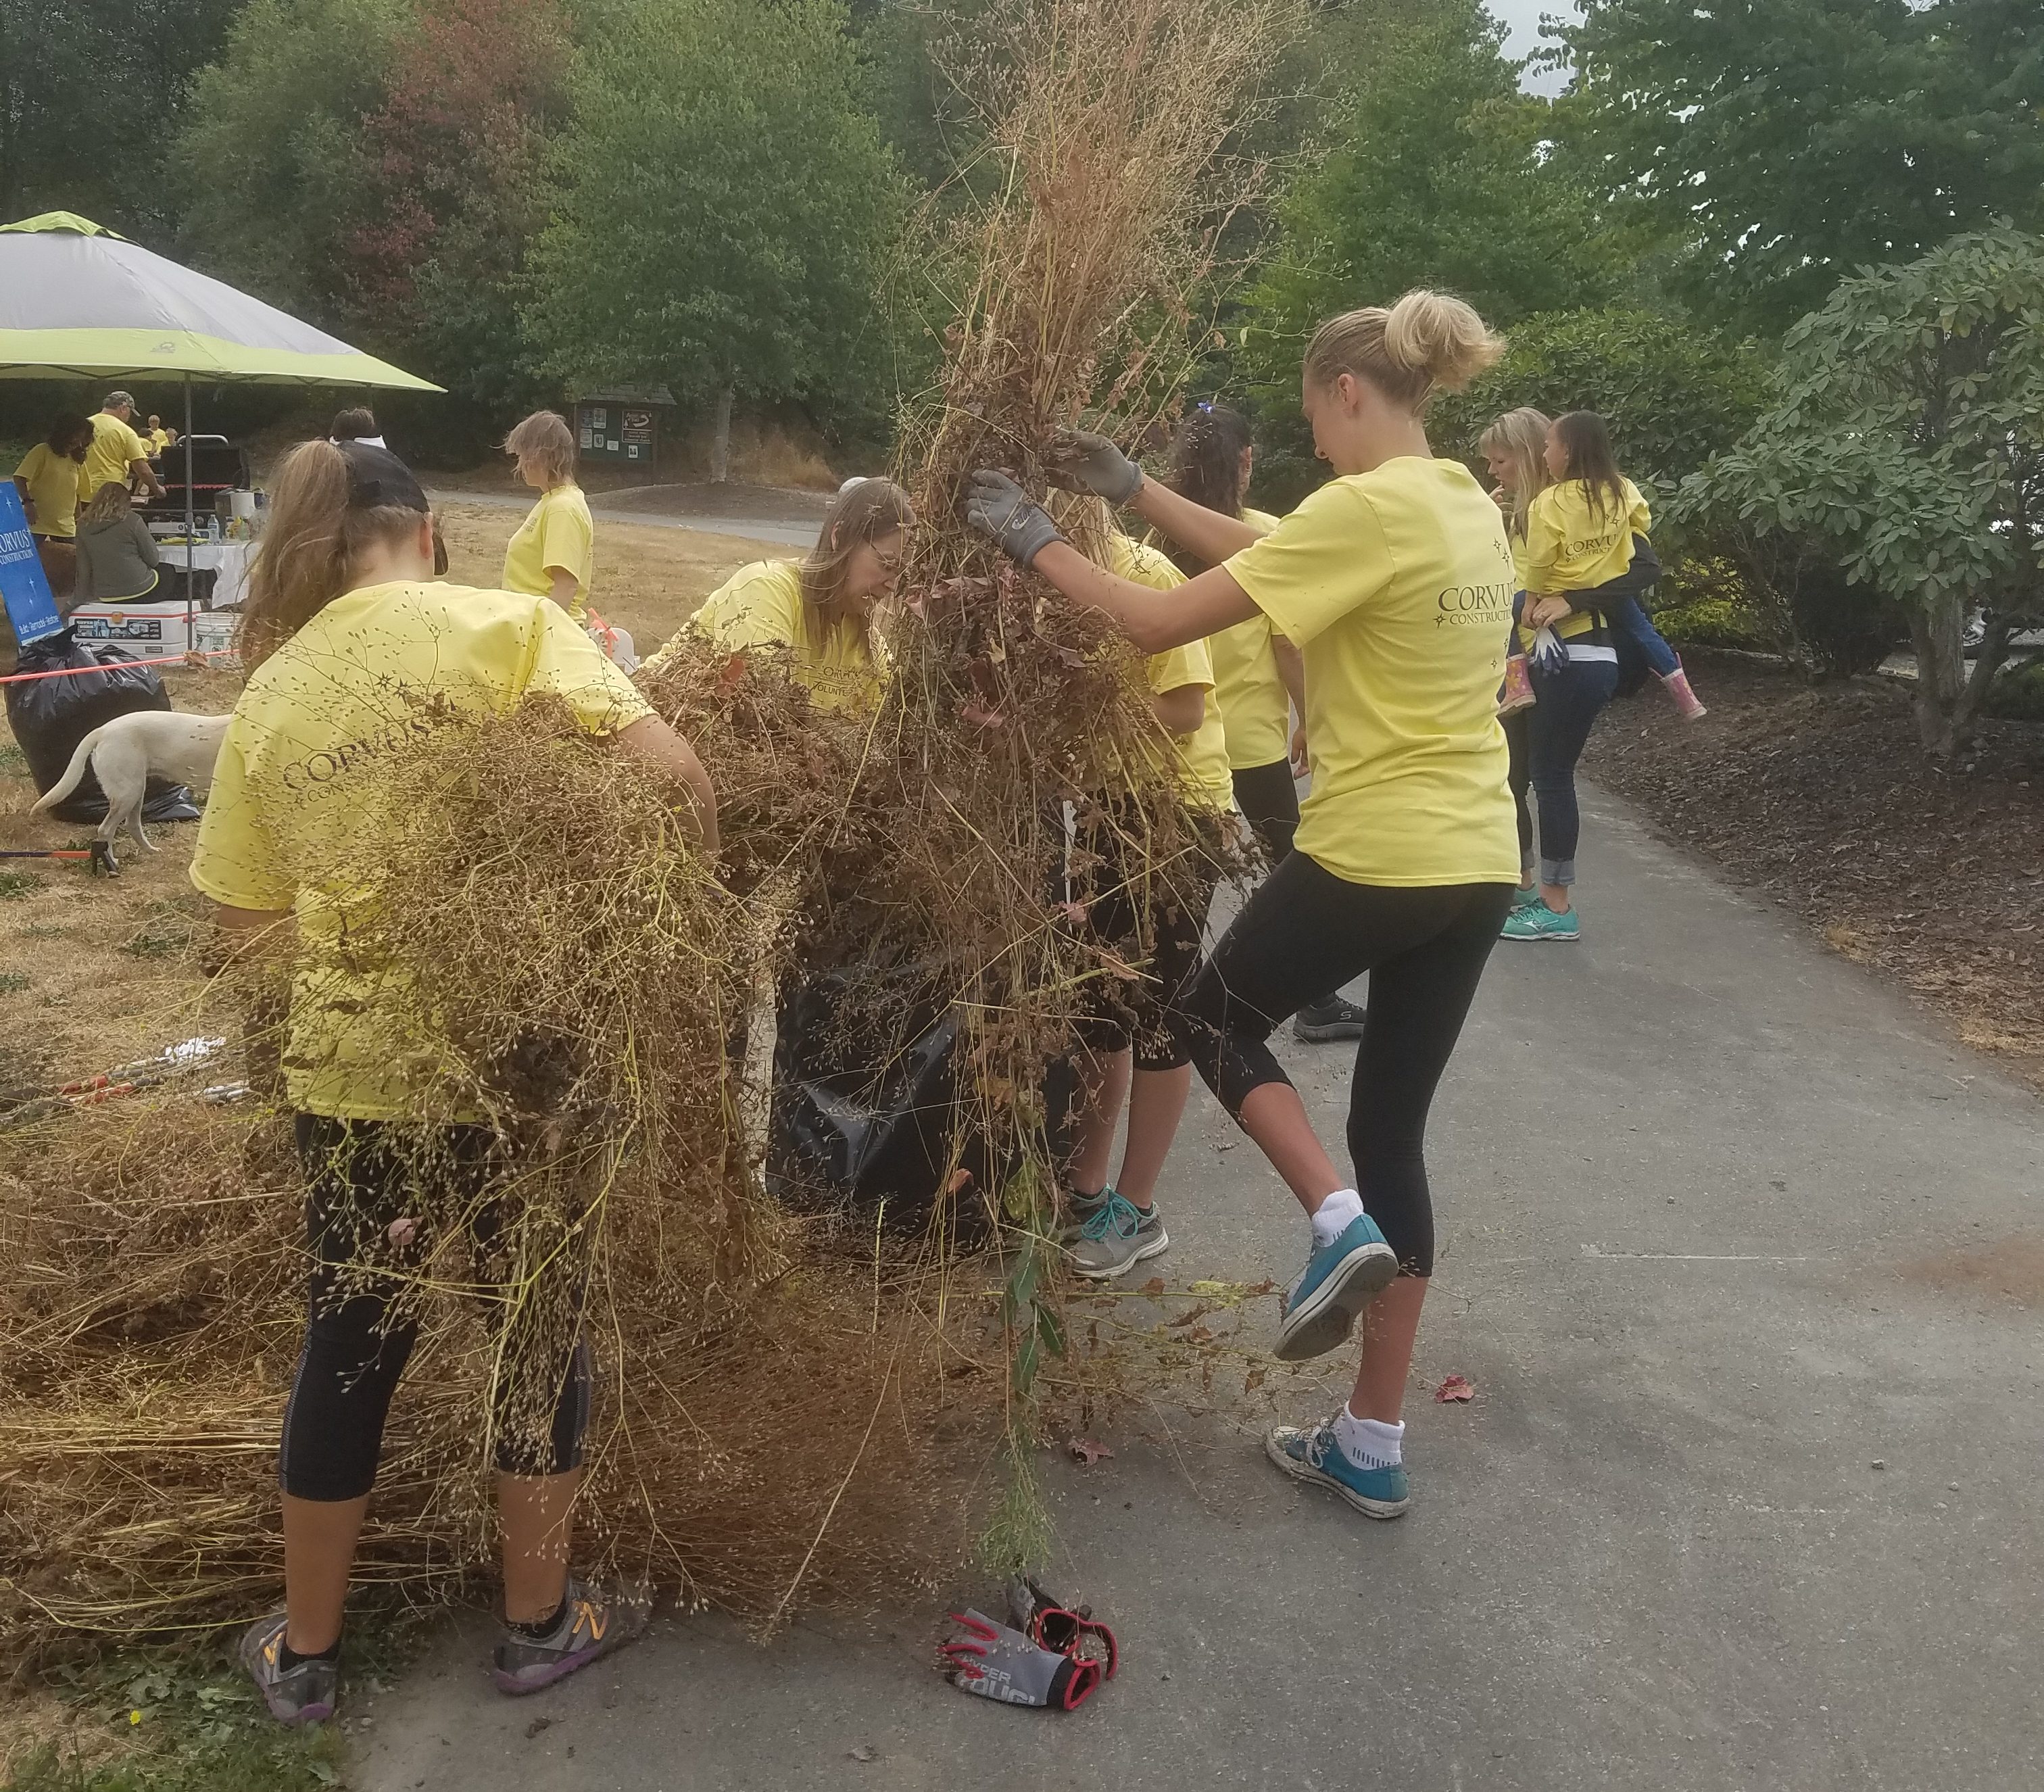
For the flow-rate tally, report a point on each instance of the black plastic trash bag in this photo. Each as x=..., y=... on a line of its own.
x=866, y=1102
x=50, y=716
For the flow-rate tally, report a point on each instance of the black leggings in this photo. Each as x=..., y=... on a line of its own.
x=1268, y=797
x=360, y=1174
x=1306, y=930
x=1173, y=899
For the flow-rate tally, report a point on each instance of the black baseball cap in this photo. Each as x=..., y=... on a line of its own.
x=377, y=477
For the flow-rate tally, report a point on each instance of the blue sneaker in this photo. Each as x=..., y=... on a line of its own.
x=1313, y=1453
x=1340, y=1280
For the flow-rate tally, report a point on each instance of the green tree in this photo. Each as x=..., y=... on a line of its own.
x=91, y=91
x=273, y=154
x=1906, y=444
x=1674, y=393
x=724, y=203
x=1436, y=172
x=1779, y=145
x=1436, y=175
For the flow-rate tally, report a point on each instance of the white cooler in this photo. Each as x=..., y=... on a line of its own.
x=144, y=630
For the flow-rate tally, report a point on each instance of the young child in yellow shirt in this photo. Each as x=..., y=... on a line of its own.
x=1579, y=534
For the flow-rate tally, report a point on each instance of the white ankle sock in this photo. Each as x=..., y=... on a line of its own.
x=1335, y=1215
x=1369, y=1443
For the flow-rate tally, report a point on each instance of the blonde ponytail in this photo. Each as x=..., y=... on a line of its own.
x=1428, y=342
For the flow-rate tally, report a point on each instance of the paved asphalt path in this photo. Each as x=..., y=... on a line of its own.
x=1746, y=1261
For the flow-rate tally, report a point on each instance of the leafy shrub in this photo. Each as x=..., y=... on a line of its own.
x=2017, y=693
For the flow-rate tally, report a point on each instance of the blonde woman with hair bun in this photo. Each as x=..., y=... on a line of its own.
x=1395, y=581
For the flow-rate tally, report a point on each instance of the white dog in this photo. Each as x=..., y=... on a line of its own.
x=125, y=753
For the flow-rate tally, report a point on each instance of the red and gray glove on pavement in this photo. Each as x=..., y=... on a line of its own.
x=996, y=1662
x=1050, y=1623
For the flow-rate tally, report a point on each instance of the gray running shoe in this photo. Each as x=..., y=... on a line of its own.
x=588, y=1629
x=304, y=1694
x=1334, y=1018
x=1117, y=1237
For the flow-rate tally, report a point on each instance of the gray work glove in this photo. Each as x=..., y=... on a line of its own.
x=1084, y=460
x=996, y=1662
x=1021, y=527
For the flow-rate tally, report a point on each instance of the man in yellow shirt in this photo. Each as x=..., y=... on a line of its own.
x=117, y=452
x=157, y=437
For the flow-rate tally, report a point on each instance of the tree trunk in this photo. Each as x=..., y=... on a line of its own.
x=1948, y=700
x=719, y=437
x=1940, y=673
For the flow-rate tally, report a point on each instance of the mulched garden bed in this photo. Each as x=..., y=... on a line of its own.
x=1821, y=798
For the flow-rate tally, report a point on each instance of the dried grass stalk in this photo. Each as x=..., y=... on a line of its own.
x=781, y=1418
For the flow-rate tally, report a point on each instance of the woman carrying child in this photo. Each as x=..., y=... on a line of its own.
x=1580, y=549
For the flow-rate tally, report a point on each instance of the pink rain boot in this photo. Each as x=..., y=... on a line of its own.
x=1691, y=705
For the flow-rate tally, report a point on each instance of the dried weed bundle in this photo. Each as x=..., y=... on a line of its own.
x=779, y=1417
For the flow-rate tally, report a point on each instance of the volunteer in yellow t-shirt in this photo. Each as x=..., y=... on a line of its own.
x=158, y=437
x=1259, y=677
x=1138, y=1036
x=1396, y=581
x=820, y=609
x=347, y=664
x=1586, y=532
x=552, y=554
x=52, y=482
x=1582, y=557
x=117, y=452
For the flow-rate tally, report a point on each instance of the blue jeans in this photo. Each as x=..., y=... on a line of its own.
x=1624, y=616
x=1545, y=741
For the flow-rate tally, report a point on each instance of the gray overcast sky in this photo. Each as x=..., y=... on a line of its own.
x=1522, y=19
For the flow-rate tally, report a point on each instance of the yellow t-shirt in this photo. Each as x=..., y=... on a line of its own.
x=557, y=532
x=160, y=439
x=56, y=488
x=296, y=784
x=1569, y=546
x=1255, y=709
x=114, y=447
x=1199, y=760
x=1396, y=584
x=762, y=606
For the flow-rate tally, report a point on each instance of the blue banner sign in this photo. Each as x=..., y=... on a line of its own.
x=30, y=608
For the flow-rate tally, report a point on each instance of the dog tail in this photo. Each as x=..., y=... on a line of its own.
x=81, y=757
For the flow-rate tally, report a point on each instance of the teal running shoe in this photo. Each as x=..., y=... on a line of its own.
x=1116, y=1236
x=1540, y=922
x=1313, y=1453
x=1340, y=1280
x=1529, y=897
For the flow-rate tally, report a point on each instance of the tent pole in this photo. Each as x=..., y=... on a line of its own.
x=189, y=525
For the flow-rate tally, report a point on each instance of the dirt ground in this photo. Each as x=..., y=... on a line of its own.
x=1822, y=799
x=97, y=973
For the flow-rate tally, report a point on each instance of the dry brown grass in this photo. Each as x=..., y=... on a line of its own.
x=786, y=1414
x=648, y=579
